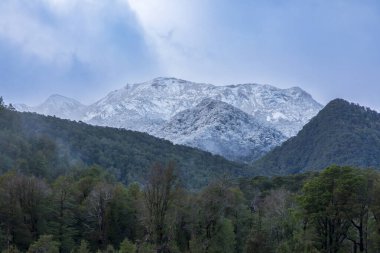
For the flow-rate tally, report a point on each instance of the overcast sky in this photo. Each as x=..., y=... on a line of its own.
x=87, y=48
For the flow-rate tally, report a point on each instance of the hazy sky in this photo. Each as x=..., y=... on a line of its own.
x=86, y=48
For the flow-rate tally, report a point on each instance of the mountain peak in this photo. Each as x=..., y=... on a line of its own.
x=61, y=107
x=161, y=78
x=167, y=80
x=56, y=98
x=344, y=110
x=338, y=102
x=223, y=129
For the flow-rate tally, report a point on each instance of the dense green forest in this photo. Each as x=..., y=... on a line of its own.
x=342, y=133
x=49, y=147
x=86, y=210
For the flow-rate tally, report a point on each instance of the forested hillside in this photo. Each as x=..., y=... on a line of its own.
x=68, y=187
x=49, y=147
x=342, y=133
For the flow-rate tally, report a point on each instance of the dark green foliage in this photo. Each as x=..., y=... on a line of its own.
x=88, y=211
x=63, y=210
x=122, y=215
x=45, y=244
x=342, y=133
x=23, y=209
x=127, y=246
x=49, y=147
x=158, y=197
x=224, y=240
x=328, y=201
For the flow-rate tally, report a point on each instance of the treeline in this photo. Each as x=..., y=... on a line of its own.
x=87, y=210
x=5, y=106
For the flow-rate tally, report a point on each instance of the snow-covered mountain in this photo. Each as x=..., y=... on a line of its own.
x=150, y=104
x=157, y=106
x=57, y=105
x=222, y=129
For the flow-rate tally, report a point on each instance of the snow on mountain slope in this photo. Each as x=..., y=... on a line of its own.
x=159, y=107
x=22, y=108
x=146, y=106
x=221, y=129
x=57, y=105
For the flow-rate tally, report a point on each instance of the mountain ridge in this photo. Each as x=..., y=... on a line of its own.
x=148, y=106
x=342, y=133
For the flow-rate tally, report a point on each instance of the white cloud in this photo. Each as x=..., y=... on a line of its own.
x=177, y=32
x=65, y=46
x=176, y=29
x=72, y=28
x=20, y=27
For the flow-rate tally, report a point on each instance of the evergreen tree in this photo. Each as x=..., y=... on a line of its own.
x=62, y=225
x=11, y=107
x=2, y=105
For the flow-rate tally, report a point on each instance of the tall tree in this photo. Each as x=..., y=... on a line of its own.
x=10, y=213
x=224, y=240
x=97, y=206
x=326, y=201
x=359, y=208
x=63, y=213
x=375, y=209
x=158, y=195
x=25, y=208
x=123, y=214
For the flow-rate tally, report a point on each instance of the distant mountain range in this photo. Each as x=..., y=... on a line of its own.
x=240, y=122
x=342, y=133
